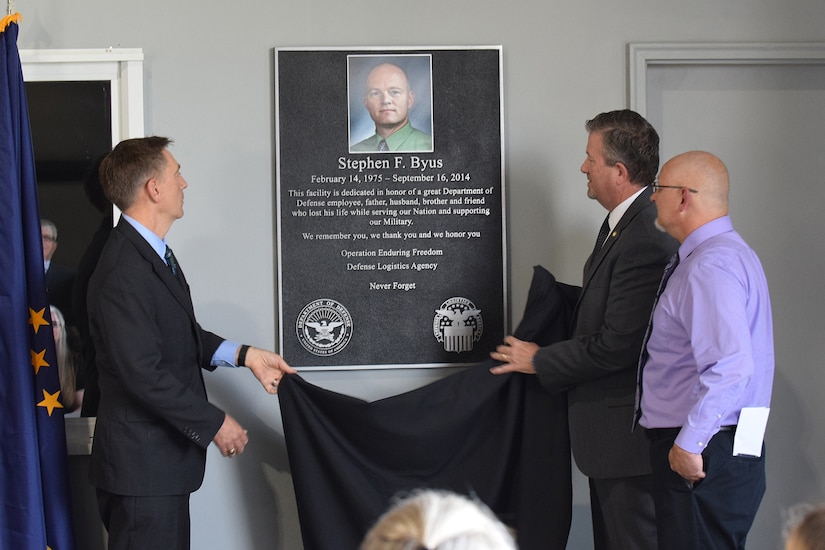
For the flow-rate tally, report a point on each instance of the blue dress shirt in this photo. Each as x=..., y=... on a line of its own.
x=224, y=356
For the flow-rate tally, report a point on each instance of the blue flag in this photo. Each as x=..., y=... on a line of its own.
x=35, y=511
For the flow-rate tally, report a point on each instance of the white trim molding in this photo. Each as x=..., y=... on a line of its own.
x=123, y=67
x=643, y=55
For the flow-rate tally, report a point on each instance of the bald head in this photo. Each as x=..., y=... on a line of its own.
x=707, y=174
x=694, y=191
x=388, y=98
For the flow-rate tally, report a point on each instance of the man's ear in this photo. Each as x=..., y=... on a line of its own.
x=412, y=99
x=624, y=173
x=152, y=189
x=686, y=198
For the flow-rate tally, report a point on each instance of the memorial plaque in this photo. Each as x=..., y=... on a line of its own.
x=390, y=206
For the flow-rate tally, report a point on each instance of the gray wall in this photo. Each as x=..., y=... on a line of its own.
x=209, y=85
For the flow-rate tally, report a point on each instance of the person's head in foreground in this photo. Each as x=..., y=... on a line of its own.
x=809, y=532
x=438, y=520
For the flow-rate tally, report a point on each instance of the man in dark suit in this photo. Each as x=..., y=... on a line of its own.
x=154, y=421
x=597, y=365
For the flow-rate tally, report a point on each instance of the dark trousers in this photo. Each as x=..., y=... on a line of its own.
x=716, y=512
x=140, y=523
x=623, y=513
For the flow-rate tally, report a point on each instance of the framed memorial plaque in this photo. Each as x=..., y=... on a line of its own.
x=390, y=206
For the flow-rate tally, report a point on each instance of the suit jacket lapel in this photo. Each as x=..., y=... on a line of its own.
x=595, y=260
x=179, y=290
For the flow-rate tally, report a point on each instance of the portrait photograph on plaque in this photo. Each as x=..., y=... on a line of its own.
x=390, y=201
x=390, y=91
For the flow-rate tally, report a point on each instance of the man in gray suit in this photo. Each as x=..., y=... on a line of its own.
x=154, y=421
x=597, y=365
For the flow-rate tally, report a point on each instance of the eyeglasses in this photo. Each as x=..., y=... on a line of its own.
x=656, y=186
x=49, y=238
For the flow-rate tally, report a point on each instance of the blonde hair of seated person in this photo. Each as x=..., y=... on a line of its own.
x=809, y=532
x=65, y=361
x=438, y=520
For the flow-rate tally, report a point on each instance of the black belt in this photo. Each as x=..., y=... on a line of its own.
x=671, y=433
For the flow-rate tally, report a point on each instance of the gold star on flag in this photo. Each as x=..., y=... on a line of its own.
x=38, y=360
x=50, y=401
x=37, y=319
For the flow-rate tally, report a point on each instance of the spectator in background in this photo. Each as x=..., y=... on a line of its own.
x=59, y=278
x=69, y=395
x=438, y=520
x=86, y=368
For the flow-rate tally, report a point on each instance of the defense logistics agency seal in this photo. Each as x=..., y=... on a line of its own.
x=458, y=324
x=324, y=327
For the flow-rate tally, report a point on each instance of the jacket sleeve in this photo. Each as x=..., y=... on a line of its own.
x=613, y=312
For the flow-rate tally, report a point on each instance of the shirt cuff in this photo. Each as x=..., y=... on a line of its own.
x=693, y=440
x=224, y=356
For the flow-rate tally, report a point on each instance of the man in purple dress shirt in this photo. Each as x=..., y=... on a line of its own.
x=709, y=356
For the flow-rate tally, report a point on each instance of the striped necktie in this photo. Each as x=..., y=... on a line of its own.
x=172, y=262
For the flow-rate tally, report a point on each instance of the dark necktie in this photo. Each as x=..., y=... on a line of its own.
x=382, y=145
x=603, y=231
x=172, y=262
x=643, y=355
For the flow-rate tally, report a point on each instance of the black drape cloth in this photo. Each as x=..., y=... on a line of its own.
x=501, y=438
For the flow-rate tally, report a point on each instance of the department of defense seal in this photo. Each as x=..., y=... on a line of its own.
x=324, y=327
x=458, y=324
